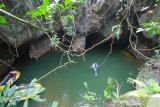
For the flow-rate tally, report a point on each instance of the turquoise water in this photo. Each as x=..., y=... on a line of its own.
x=66, y=85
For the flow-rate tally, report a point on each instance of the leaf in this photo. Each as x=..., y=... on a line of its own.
x=25, y=103
x=9, y=105
x=140, y=30
x=33, y=81
x=54, y=104
x=46, y=2
x=55, y=40
x=148, y=29
x=5, y=90
x=70, y=17
x=40, y=90
x=117, y=30
x=67, y=2
x=58, y=6
x=38, y=99
x=37, y=12
x=2, y=20
x=12, y=90
x=2, y=5
x=13, y=101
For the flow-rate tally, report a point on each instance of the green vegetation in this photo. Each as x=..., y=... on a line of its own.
x=89, y=96
x=2, y=19
x=112, y=96
x=110, y=91
x=152, y=28
x=65, y=12
x=11, y=95
x=117, y=31
x=149, y=88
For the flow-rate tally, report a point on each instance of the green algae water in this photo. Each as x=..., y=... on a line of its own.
x=66, y=84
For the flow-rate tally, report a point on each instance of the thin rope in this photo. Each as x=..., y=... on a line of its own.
x=107, y=54
x=85, y=60
x=104, y=58
x=42, y=77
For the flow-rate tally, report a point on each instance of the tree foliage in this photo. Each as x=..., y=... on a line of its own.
x=11, y=95
x=152, y=28
x=2, y=18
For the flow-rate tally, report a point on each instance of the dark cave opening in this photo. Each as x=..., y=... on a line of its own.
x=95, y=38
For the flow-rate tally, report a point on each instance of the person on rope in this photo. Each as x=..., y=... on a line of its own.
x=94, y=66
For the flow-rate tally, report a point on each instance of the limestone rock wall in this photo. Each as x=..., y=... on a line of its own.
x=16, y=33
x=96, y=16
x=39, y=47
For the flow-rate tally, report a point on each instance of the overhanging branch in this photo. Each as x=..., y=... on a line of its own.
x=22, y=20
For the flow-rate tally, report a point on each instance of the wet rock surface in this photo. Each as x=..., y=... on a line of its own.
x=39, y=47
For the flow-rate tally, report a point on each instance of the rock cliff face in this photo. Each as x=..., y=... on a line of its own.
x=16, y=33
x=39, y=47
x=97, y=16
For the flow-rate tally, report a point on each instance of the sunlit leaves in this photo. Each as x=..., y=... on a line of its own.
x=57, y=6
x=41, y=10
x=151, y=87
x=152, y=28
x=117, y=30
x=2, y=5
x=46, y=8
x=67, y=2
x=88, y=95
x=37, y=12
x=66, y=20
x=85, y=85
x=71, y=2
x=2, y=19
x=46, y=2
x=109, y=91
x=140, y=30
x=55, y=40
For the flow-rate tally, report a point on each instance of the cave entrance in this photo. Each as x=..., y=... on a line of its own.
x=94, y=39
